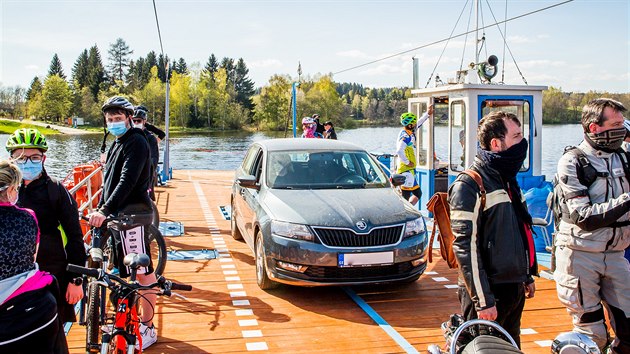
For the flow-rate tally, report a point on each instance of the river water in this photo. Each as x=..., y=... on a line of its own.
x=225, y=150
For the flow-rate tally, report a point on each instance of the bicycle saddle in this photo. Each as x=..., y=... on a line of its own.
x=135, y=261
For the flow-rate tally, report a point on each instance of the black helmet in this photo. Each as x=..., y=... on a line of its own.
x=140, y=112
x=118, y=102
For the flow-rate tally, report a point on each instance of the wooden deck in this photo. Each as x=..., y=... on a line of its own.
x=227, y=313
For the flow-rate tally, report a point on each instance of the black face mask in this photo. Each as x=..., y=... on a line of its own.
x=508, y=162
x=608, y=141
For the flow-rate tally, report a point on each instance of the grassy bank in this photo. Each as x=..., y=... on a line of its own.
x=8, y=127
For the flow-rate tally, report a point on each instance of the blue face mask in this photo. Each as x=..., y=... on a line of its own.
x=31, y=170
x=117, y=128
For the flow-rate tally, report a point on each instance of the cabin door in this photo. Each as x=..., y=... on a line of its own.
x=425, y=172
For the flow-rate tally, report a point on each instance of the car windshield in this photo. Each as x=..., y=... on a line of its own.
x=323, y=170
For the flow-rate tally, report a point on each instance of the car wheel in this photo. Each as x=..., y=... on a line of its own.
x=261, y=266
x=236, y=234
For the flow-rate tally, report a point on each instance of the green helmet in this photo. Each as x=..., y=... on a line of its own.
x=408, y=118
x=27, y=138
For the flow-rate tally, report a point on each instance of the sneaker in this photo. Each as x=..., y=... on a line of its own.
x=149, y=335
x=108, y=328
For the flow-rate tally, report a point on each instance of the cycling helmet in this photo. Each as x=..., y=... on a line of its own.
x=573, y=343
x=140, y=112
x=118, y=102
x=27, y=138
x=408, y=118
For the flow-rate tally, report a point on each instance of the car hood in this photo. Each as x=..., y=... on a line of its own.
x=339, y=207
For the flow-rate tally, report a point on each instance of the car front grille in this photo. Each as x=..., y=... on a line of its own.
x=358, y=273
x=348, y=238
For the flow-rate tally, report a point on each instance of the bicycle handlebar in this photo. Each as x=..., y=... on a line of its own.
x=100, y=275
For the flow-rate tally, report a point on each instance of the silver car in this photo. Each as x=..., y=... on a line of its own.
x=323, y=212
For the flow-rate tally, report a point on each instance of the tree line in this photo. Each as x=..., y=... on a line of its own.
x=220, y=95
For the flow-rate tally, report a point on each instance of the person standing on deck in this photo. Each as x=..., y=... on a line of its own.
x=590, y=266
x=494, y=246
x=61, y=238
x=406, y=151
x=139, y=121
x=309, y=128
x=320, y=128
x=126, y=181
x=329, y=131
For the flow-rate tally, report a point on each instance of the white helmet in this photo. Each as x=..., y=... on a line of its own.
x=574, y=343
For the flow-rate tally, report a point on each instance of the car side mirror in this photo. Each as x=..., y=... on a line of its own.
x=248, y=181
x=398, y=180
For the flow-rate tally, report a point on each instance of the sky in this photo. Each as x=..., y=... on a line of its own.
x=579, y=46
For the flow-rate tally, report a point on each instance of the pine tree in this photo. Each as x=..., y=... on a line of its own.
x=150, y=62
x=80, y=70
x=96, y=71
x=181, y=67
x=228, y=65
x=55, y=67
x=211, y=66
x=243, y=85
x=35, y=89
x=119, y=53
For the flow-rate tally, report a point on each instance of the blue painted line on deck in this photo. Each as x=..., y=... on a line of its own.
x=402, y=342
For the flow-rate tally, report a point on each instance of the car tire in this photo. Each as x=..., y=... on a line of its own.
x=261, y=265
x=236, y=233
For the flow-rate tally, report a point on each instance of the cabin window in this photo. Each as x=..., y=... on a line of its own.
x=458, y=136
x=522, y=111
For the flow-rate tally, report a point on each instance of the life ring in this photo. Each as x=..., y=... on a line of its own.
x=79, y=173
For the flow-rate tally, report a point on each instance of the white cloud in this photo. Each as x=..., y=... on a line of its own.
x=354, y=53
x=543, y=36
x=265, y=63
x=539, y=63
x=519, y=39
x=31, y=67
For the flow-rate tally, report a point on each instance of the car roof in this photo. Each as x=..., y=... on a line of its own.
x=307, y=144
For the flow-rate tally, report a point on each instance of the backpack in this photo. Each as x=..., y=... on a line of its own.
x=438, y=205
x=586, y=174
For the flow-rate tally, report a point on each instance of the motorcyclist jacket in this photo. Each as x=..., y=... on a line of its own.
x=127, y=173
x=52, y=211
x=597, y=219
x=490, y=244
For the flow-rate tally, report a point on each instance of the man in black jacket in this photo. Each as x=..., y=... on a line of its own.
x=494, y=246
x=125, y=186
x=140, y=121
x=61, y=239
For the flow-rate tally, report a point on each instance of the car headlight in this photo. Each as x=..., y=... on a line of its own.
x=296, y=231
x=415, y=227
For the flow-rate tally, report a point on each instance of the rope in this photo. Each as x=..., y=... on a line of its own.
x=157, y=22
x=504, y=44
x=456, y=36
x=461, y=64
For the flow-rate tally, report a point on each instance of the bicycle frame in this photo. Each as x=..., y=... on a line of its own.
x=126, y=329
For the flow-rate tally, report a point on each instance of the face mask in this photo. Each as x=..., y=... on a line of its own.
x=139, y=125
x=508, y=162
x=117, y=128
x=609, y=140
x=30, y=170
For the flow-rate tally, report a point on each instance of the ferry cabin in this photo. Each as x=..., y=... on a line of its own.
x=458, y=108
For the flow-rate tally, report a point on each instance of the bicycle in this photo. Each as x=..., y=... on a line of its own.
x=124, y=296
x=93, y=307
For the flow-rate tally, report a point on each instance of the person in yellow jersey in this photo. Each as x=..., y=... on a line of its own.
x=406, y=151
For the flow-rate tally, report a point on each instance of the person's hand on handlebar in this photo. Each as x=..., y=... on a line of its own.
x=97, y=218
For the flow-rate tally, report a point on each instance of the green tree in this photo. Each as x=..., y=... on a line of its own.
x=162, y=65
x=180, y=98
x=96, y=72
x=243, y=85
x=56, y=68
x=181, y=67
x=273, y=103
x=324, y=99
x=56, y=98
x=212, y=66
x=555, y=105
x=35, y=88
x=80, y=70
x=119, y=53
x=152, y=95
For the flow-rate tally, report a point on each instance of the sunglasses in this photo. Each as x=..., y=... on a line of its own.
x=137, y=120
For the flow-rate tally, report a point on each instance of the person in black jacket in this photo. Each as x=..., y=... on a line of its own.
x=61, y=238
x=329, y=131
x=126, y=181
x=140, y=121
x=320, y=128
x=494, y=246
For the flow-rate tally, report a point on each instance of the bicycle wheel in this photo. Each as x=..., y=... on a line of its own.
x=93, y=329
x=157, y=246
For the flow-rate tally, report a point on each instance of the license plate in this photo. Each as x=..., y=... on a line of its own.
x=365, y=259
